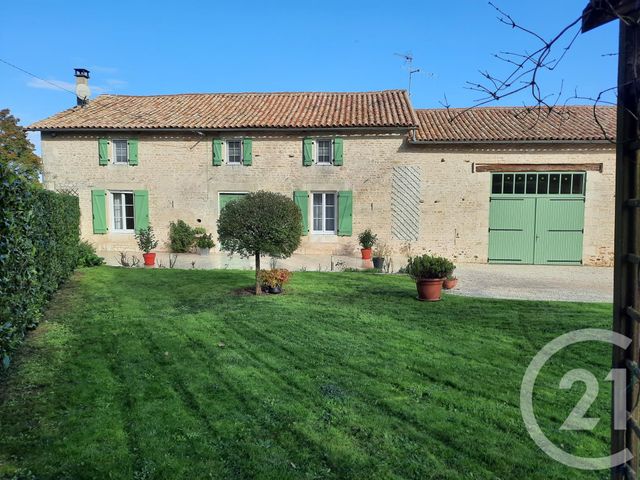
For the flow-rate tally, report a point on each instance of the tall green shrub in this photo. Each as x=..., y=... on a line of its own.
x=39, y=242
x=181, y=236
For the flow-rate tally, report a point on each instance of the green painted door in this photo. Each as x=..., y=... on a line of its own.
x=511, y=230
x=559, y=231
x=225, y=198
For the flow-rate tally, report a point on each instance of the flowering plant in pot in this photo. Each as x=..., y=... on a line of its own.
x=147, y=242
x=273, y=280
x=367, y=240
x=205, y=243
x=429, y=272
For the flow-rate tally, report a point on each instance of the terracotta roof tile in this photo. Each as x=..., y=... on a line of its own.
x=388, y=108
x=515, y=124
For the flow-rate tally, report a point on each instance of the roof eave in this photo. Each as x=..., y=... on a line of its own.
x=509, y=142
x=399, y=128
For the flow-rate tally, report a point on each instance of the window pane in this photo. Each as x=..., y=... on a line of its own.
x=117, y=211
x=234, y=151
x=566, y=184
x=578, y=181
x=324, y=151
x=496, y=183
x=543, y=183
x=520, y=183
x=330, y=212
x=317, y=211
x=554, y=183
x=531, y=183
x=508, y=183
x=120, y=151
x=129, y=223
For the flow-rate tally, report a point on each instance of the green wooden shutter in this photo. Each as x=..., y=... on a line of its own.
x=217, y=152
x=103, y=151
x=99, y=210
x=307, y=152
x=247, y=151
x=337, y=151
x=140, y=209
x=345, y=213
x=301, y=199
x=133, y=151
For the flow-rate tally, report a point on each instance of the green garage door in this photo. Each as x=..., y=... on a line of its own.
x=537, y=218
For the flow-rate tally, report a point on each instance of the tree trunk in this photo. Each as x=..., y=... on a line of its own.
x=258, y=286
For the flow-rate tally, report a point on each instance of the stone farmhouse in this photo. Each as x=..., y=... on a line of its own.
x=498, y=185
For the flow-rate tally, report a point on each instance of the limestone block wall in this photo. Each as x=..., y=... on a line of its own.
x=452, y=203
x=455, y=201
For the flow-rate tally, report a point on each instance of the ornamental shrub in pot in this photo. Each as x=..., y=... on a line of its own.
x=273, y=280
x=205, y=243
x=380, y=254
x=429, y=271
x=147, y=242
x=367, y=240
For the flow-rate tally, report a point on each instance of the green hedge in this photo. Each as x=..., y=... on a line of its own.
x=39, y=238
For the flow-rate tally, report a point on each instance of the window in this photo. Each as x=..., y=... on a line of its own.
x=234, y=152
x=324, y=152
x=324, y=212
x=122, y=208
x=535, y=183
x=120, y=151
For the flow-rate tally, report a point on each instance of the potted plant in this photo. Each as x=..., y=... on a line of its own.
x=429, y=272
x=450, y=282
x=380, y=253
x=273, y=280
x=367, y=240
x=147, y=242
x=205, y=243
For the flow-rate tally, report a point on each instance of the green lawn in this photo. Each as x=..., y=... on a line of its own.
x=170, y=374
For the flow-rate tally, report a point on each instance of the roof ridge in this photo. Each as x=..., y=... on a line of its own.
x=503, y=107
x=397, y=90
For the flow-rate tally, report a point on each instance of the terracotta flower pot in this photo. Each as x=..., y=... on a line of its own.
x=149, y=259
x=429, y=289
x=366, y=253
x=448, y=284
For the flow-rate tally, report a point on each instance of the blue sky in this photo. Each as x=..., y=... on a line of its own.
x=160, y=47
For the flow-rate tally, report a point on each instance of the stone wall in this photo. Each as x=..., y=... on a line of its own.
x=453, y=205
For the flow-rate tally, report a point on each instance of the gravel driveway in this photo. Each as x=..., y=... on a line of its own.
x=536, y=282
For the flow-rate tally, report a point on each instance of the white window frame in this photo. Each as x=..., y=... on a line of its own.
x=317, y=152
x=113, y=151
x=123, y=209
x=324, y=231
x=226, y=146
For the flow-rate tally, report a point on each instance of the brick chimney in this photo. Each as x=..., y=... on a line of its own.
x=82, y=86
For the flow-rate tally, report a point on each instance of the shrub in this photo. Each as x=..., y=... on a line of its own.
x=181, y=237
x=87, y=256
x=146, y=239
x=261, y=223
x=367, y=239
x=205, y=241
x=39, y=249
x=276, y=277
x=429, y=267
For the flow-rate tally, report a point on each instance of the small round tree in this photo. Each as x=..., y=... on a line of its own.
x=261, y=223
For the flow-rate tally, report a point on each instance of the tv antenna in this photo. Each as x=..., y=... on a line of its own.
x=408, y=61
